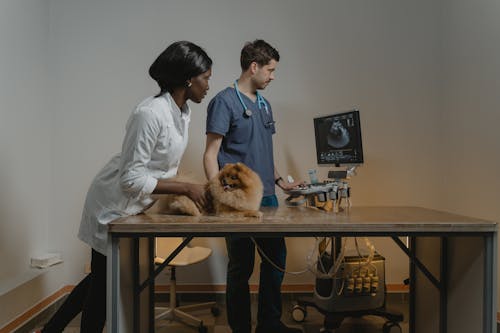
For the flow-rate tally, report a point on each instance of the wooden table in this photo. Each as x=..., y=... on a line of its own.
x=131, y=271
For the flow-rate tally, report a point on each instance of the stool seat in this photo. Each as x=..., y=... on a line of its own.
x=188, y=256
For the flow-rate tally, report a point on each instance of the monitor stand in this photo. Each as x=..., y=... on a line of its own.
x=342, y=174
x=337, y=174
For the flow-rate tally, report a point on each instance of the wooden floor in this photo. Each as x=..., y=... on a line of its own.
x=312, y=324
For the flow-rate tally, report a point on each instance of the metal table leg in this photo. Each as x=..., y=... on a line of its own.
x=490, y=283
x=113, y=284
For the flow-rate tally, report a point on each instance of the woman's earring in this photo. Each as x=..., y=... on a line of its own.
x=189, y=84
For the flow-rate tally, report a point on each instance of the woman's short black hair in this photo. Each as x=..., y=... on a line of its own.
x=177, y=64
x=259, y=51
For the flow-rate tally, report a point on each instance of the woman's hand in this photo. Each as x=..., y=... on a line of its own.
x=195, y=192
x=198, y=194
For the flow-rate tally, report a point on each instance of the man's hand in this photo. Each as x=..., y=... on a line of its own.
x=285, y=186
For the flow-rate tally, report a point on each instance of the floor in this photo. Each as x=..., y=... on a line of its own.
x=312, y=324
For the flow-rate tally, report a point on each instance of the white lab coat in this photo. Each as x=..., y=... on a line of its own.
x=155, y=140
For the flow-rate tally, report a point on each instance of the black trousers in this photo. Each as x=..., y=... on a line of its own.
x=88, y=297
x=241, y=253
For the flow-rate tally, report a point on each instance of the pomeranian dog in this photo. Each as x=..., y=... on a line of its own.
x=236, y=191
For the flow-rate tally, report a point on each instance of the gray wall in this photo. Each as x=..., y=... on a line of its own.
x=25, y=147
x=471, y=107
x=471, y=113
x=383, y=59
x=402, y=63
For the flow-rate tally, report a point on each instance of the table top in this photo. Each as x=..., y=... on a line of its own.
x=303, y=221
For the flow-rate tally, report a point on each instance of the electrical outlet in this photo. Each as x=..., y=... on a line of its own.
x=44, y=260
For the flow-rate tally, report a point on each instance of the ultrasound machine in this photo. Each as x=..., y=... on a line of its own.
x=338, y=143
x=346, y=285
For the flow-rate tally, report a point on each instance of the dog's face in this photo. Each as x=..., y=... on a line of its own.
x=235, y=176
x=236, y=190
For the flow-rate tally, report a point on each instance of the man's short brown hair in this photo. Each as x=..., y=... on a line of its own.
x=257, y=51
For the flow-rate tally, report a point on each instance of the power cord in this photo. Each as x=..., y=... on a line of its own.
x=274, y=264
x=311, y=267
x=322, y=273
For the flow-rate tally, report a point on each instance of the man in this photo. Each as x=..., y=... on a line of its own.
x=239, y=128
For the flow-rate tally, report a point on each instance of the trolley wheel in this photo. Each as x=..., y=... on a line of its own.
x=299, y=313
x=202, y=329
x=215, y=311
x=391, y=327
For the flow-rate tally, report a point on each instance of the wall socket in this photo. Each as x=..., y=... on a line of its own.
x=44, y=260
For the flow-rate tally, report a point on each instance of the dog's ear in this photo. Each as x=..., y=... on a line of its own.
x=238, y=166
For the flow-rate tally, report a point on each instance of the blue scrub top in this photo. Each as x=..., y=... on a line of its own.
x=247, y=139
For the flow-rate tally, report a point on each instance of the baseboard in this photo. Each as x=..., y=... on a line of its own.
x=290, y=289
x=286, y=288
x=38, y=308
x=221, y=288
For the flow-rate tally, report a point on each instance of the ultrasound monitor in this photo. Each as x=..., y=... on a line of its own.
x=338, y=139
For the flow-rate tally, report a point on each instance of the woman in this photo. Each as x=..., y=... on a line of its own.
x=155, y=139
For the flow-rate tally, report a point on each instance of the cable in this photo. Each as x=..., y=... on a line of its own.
x=322, y=273
x=341, y=290
x=369, y=258
x=274, y=264
x=311, y=265
x=338, y=262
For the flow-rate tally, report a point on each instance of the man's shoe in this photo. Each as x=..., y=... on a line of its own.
x=281, y=328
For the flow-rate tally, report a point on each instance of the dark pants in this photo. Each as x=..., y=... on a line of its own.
x=88, y=297
x=241, y=252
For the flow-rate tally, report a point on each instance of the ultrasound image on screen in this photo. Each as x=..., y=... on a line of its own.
x=338, y=139
x=338, y=136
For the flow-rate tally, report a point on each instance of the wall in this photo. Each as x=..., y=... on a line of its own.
x=397, y=61
x=25, y=150
x=471, y=76
x=381, y=57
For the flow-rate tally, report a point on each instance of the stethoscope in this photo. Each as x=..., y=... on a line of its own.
x=260, y=101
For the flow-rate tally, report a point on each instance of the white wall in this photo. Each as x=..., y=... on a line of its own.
x=25, y=150
x=384, y=57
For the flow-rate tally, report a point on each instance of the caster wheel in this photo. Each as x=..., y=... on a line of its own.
x=390, y=327
x=202, y=329
x=299, y=313
x=215, y=311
